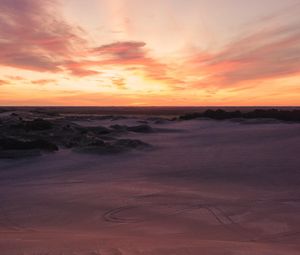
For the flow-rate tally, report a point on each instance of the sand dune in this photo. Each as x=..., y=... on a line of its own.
x=215, y=188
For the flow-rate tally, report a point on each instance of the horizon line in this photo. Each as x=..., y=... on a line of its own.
x=149, y=106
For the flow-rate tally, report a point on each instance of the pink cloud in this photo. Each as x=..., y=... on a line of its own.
x=266, y=54
x=133, y=56
x=35, y=36
x=122, y=50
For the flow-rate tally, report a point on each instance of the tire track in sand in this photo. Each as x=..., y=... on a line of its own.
x=114, y=215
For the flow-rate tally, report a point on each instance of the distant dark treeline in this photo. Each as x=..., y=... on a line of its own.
x=172, y=111
x=284, y=115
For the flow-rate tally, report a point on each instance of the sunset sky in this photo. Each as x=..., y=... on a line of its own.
x=142, y=52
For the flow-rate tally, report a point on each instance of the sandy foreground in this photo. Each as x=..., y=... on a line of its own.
x=205, y=187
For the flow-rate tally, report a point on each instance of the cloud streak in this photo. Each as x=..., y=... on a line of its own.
x=122, y=50
x=43, y=82
x=34, y=36
x=3, y=82
x=270, y=53
x=135, y=56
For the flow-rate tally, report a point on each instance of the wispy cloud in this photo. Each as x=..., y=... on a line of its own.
x=119, y=82
x=133, y=56
x=122, y=50
x=79, y=69
x=43, y=81
x=34, y=36
x=15, y=78
x=269, y=53
x=3, y=82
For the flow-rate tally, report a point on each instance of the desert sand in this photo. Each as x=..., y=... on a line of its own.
x=200, y=187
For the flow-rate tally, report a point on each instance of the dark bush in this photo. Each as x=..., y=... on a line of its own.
x=140, y=129
x=284, y=115
x=14, y=144
x=34, y=125
x=131, y=143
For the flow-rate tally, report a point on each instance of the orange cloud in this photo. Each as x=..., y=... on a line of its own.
x=43, y=81
x=15, y=78
x=119, y=82
x=3, y=82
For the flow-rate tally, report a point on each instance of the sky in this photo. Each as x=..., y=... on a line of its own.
x=150, y=53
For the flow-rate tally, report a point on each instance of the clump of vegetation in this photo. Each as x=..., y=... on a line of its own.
x=34, y=125
x=283, y=115
x=36, y=144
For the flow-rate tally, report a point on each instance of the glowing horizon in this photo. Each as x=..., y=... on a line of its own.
x=142, y=53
